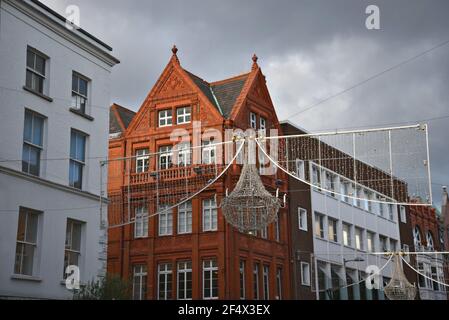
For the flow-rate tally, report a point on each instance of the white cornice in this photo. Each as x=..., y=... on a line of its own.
x=50, y=184
x=58, y=28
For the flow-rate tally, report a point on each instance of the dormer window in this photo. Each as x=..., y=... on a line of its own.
x=183, y=115
x=253, y=120
x=165, y=118
x=263, y=123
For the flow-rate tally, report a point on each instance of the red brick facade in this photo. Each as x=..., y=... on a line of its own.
x=238, y=97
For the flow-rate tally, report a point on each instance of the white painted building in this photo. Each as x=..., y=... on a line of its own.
x=346, y=231
x=54, y=123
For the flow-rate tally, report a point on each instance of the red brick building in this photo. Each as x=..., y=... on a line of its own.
x=425, y=231
x=189, y=260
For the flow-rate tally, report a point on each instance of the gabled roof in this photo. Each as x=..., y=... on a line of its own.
x=119, y=118
x=222, y=94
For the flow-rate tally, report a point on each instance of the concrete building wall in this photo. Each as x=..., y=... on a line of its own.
x=23, y=24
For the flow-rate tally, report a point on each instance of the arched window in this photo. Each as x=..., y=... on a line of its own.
x=417, y=236
x=429, y=240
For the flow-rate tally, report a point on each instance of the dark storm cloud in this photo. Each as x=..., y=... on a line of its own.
x=309, y=50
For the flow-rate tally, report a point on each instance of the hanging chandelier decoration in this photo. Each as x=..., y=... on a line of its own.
x=399, y=288
x=250, y=207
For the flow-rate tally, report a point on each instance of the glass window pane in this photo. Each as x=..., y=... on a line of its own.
x=30, y=59
x=38, y=124
x=29, y=79
x=39, y=84
x=31, y=229
x=26, y=158
x=80, y=147
x=76, y=237
x=27, y=129
x=34, y=161
x=83, y=87
x=74, y=82
x=73, y=145
x=21, y=226
x=27, y=260
x=40, y=65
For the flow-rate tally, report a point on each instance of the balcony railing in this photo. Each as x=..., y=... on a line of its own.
x=175, y=173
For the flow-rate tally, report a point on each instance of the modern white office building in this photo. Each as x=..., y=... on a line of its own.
x=335, y=232
x=54, y=123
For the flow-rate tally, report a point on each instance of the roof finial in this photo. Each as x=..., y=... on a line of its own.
x=255, y=58
x=174, y=50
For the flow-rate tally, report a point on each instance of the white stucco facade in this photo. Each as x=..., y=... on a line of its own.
x=23, y=25
x=335, y=256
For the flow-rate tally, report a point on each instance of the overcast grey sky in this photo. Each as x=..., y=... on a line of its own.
x=308, y=50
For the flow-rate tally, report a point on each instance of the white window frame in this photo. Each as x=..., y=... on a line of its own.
x=165, y=221
x=305, y=270
x=210, y=266
x=185, y=218
x=78, y=96
x=266, y=282
x=256, y=292
x=358, y=237
x=242, y=279
x=318, y=219
x=80, y=163
x=277, y=229
x=69, y=245
x=370, y=239
x=185, y=116
x=391, y=211
x=165, y=118
x=165, y=270
x=403, y=214
x=29, y=144
x=142, y=160
x=184, y=268
x=300, y=169
x=332, y=224
x=417, y=241
x=279, y=282
x=331, y=183
x=344, y=190
x=183, y=154
x=347, y=240
x=253, y=120
x=141, y=273
x=210, y=211
x=430, y=244
x=26, y=242
x=35, y=73
x=302, y=219
x=209, y=152
x=262, y=123
x=141, y=222
x=165, y=152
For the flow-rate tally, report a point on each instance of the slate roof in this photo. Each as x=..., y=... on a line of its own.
x=125, y=115
x=222, y=94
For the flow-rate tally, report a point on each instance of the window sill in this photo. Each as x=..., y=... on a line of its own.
x=81, y=114
x=26, y=278
x=43, y=96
